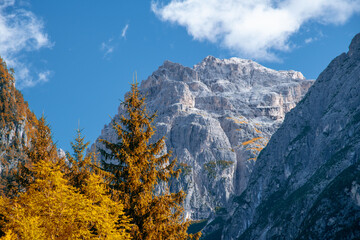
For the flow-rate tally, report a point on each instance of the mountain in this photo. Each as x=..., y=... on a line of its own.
x=216, y=117
x=16, y=122
x=306, y=182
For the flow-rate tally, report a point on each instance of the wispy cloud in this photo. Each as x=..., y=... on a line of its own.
x=108, y=47
x=253, y=28
x=21, y=32
x=30, y=80
x=123, y=33
x=309, y=40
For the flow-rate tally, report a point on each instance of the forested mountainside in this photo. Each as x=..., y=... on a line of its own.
x=16, y=122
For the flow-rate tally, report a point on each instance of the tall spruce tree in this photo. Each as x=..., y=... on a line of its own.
x=136, y=168
x=41, y=147
x=82, y=165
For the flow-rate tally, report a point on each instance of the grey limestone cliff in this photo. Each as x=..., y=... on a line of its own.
x=16, y=120
x=207, y=113
x=306, y=182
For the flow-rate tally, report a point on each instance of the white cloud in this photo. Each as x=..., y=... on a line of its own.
x=253, y=28
x=29, y=80
x=20, y=32
x=309, y=40
x=123, y=33
x=107, y=47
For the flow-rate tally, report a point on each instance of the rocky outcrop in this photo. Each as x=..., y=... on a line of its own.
x=16, y=121
x=15, y=117
x=216, y=117
x=305, y=183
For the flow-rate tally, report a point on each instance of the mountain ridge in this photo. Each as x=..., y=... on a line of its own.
x=311, y=158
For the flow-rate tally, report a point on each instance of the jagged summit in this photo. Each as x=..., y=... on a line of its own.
x=243, y=70
x=234, y=60
x=244, y=73
x=354, y=48
x=233, y=64
x=211, y=61
x=207, y=112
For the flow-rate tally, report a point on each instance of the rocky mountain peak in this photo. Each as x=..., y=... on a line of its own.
x=207, y=112
x=243, y=72
x=225, y=72
x=169, y=65
x=354, y=48
x=211, y=60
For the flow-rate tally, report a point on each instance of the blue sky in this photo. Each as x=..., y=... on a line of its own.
x=74, y=59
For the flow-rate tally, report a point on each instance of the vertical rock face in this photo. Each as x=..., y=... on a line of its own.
x=15, y=117
x=305, y=183
x=207, y=112
x=16, y=120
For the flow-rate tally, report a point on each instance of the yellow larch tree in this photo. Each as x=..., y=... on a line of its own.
x=50, y=208
x=136, y=168
x=89, y=179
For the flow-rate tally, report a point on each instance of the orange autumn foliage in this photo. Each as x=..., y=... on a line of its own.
x=15, y=118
